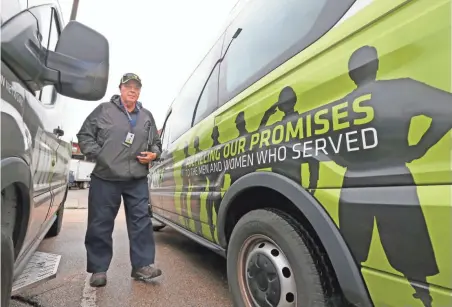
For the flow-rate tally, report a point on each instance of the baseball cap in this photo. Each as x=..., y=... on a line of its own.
x=130, y=76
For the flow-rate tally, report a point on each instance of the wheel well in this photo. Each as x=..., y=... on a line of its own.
x=22, y=213
x=256, y=198
x=263, y=197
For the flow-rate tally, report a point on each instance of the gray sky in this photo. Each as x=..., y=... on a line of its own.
x=161, y=41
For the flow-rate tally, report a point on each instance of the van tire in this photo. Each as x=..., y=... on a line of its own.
x=295, y=261
x=10, y=201
x=56, y=227
x=156, y=225
x=7, y=267
x=83, y=185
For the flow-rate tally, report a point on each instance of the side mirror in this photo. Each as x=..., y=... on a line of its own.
x=78, y=68
x=58, y=132
x=82, y=60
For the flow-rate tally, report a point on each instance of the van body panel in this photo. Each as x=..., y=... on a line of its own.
x=361, y=119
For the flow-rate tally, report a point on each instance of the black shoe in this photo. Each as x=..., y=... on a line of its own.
x=98, y=279
x=146, y=273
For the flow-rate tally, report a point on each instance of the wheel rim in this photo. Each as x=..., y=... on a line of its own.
x=265, y=275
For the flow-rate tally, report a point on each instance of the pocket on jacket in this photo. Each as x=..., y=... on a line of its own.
x=102, y=135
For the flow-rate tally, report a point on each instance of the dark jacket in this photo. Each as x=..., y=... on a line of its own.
x=103, y=133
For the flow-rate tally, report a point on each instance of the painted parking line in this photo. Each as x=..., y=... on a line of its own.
x=89, y=296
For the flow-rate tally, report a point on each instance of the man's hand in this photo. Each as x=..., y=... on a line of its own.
x=146, y=157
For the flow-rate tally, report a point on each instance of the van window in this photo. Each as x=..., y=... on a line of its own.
x=55, y=31
x=184, y=105
x=50, y=31
x=166, y=133
x=272, y=32
x=10, y=9
x=209, y=99
x=358, y=6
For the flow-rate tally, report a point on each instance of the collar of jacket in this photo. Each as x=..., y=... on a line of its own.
x=116, y=99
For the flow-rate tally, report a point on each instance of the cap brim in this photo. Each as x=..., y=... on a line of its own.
x=131, y=79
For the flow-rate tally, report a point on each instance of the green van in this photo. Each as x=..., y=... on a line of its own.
x=312, y=147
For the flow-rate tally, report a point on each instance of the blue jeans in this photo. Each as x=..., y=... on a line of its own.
x=104, y=201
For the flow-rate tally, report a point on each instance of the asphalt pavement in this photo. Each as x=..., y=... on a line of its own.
x=192, y=276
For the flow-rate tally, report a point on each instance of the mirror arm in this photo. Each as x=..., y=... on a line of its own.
x=57, y=62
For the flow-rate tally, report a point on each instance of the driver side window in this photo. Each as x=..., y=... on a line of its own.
x=166, y=133
x=50, y=30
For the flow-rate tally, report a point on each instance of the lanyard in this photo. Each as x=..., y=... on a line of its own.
x=131, y=121
x=130, y=118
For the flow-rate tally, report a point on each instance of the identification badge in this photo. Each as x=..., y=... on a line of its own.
x=129, y=139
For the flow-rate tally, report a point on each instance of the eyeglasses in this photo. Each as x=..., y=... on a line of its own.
x=132, y=86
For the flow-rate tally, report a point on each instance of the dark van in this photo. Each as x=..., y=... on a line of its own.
x=43, y=59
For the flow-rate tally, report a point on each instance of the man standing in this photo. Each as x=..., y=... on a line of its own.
x=121, y=136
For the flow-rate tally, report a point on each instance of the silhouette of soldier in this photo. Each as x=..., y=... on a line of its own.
x=240, y=124
x=286, y=103
x=397, y=211
x=198, y=184
x=196, y=145
x=238, y=172
x=185, y=187
x=214, y=189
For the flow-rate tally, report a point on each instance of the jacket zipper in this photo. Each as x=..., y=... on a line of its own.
x=130, y=147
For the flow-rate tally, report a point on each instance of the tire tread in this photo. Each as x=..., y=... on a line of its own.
x=313, y=257
x=320, y=259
